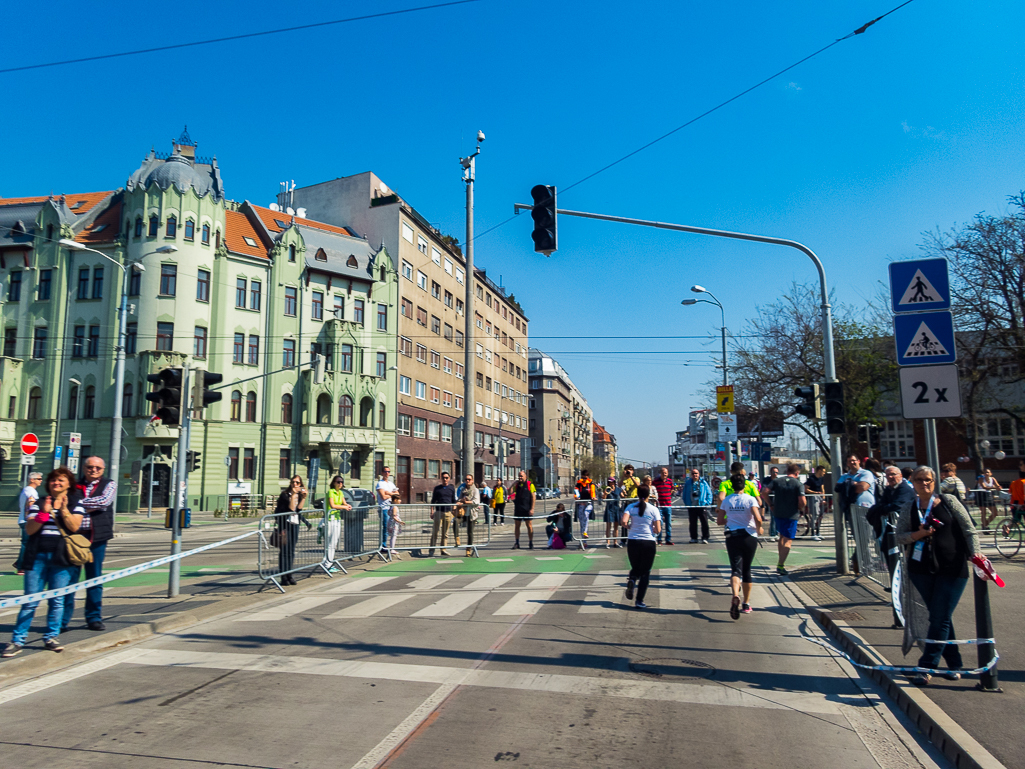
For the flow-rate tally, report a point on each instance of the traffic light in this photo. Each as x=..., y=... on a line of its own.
x=875, y=433
x=192, y=459
x=169, y=396
x=835, y=416
x=812, y=406
x=204, y=396
x=545, y=237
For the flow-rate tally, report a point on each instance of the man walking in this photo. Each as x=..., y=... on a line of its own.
x=523, y=496
x=98, y=495
x=664, y=486
x=814, y=492
x=25, y=499
x=444, y=496
x=788, y=504
x=697, y=495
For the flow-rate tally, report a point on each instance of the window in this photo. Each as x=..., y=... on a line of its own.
x=480, y=322
x=190, y=229
x=154, y=225
x=171, y=228
x=240, y=292
x=126, y=400
x=357, y=311
x=448, y=265
x=39, y=343
x=480, y=409
x=366, y=412
x=83, y=283
x=459, y=306
x=138, y=227
x=447, y=365
x=321, y=255
x=435, y=289
x=403, y=424
x=459, y=371
x=380, y=416
x=317, y=304
x=435, y=256
x=448, y=332
x=202, y=285
x=459, y=403
x=291, y=294
x=435, y=324
x=35, y=396
x=382, y=364
x=284, y=463
x=232, y=463
x=421, y=390
x=45, y=283
x=435, y=395
x=254, y=294
x=288, y=353
x=199, y=349
x=254, y=350
x=286, y=408
x=206, y=234
x=73, y=403
x=459, y=338
x=419, y=468
x=291, y=252
x=251, y=407
x=78, y=344
x=435, y=359
x=405, y=385
x=459, y=275
x=421, y=280
x=168, y=279
x=421, y=244
x=10, y=342
x=98, y=283
x=406, y=346
x=407, y=270
x=433, y=468
x=419, y=427
x=446, y=433
x=89, y=408
x=434, y=430
x=421, y=353
x=406, y=308
x=238, y=351
x=407, y=233
x=487, y=412
x=14, y=289
x=248, y=463
x=345, y=410
x=421, y=316
x=480, y=379
x=339, y=307
x=131, y=335
x=382, y=317
x=448, y=298
x=236, y=406
x=12, y=407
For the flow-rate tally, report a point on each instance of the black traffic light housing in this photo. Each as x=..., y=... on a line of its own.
x=812, y=401
x=834, y=407
x=192, y=460
x=545, y=234
x=205, y=397
x=169, y=396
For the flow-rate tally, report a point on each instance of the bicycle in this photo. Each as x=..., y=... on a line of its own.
x=1009, y=534
x=806, y=527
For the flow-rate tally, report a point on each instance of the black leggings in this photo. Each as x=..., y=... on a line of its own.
x=641, y=553
x=741, y=547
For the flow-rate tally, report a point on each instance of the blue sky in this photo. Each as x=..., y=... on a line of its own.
x=915, y=124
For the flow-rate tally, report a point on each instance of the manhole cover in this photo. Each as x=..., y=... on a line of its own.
x=672, y=666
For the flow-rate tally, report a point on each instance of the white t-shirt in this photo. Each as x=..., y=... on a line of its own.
x=28, y=496
x=642, y=526
x=389, y=488
x=738, y=512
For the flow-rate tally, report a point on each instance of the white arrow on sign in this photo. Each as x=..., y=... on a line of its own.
x=930, y=392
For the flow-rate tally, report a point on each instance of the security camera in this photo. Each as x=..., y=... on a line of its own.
x=480, y=136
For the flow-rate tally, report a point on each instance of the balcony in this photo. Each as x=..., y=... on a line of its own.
x=154, y=432
x=354, y=437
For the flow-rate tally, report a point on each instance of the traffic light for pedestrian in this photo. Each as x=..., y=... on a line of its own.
x=811, y=407
x=834, y=408
x=545, y=235
x=203, y=395
x=169, y=396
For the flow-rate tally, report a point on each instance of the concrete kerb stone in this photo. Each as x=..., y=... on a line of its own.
x=956, y=744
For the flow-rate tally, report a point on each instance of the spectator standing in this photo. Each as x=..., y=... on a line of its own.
x=26, y=499
x=726, y=486
x=524, y=495
x=444, y=497
x=98, y=495
x=466, y=509
x=630, y=483
x=500, y=502
x=386, y=494
x=741, y=516
x=860, y=492
x=988, y=498
x=290, y=501
x=951, y=484
x=586, y=493
x=643, y=524
x=613, y=514
x=664, y=489
x=335, y=505
x=486, y=495
x=767, y=492
x=697, y=495
x=814, y=492
x=789, y=503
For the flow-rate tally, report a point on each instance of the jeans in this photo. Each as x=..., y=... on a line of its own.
x=698, y=514
x=21, y=552
x=667, y=524
x=584, y=511
x=93, y=595
x=289, y=537
x=44, y=574
x=814, y=503
x=940, y=594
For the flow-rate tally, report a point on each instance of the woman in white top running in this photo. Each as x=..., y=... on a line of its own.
x=643, y=523
x=742, y=517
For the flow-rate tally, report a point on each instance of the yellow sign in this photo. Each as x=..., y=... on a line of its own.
x=724, y=399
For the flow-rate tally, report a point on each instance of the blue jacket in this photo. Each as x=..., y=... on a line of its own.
x=704, y=492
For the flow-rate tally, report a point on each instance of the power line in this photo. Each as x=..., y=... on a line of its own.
x=245, y=36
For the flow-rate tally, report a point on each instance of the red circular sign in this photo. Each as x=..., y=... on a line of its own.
x=29, y=443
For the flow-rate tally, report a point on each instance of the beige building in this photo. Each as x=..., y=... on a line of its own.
x=560, y=423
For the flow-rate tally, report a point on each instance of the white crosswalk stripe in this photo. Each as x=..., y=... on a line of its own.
x=451, y=605
x=369, y=607
x=489, y=581
x=552, y=579
x=524, y=602
x=431, y=581
x=601, y=601
x=673, y=588
x=357, y=584
x=288, y=609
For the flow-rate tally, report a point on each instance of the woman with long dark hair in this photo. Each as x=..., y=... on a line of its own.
x=740, y=514
x=643, y=523
x=290, y=501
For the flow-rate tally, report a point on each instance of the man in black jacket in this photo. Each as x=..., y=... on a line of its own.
x=98, y=494
x=883, y=515
x=444, y=494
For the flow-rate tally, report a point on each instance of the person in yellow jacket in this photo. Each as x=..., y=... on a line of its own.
x=630, y=483
x=499, y=502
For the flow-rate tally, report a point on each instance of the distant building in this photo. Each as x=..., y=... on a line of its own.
x=604, y=444
x=561, y=423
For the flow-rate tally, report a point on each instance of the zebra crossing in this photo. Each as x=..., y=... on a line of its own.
x=506, y=594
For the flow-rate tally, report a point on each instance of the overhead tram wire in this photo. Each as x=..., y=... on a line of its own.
x=860, y=30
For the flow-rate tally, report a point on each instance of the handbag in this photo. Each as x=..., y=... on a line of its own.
x=77, y=549
x=275, y=538
x=556, y=542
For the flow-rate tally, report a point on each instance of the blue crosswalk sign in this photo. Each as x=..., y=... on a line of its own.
x=919, y=285
x=924, y=338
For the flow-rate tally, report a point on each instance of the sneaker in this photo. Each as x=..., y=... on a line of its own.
x=693, y=541
x=952, y=675
x=516, y=545
x=735, y=607
x=641, y=605
x=629, y=590
x=704, y=542
x=469, y=552
x=781, y=570
x=816, y=538
x=616, y=545
x=10, y=650
x=670, y=542
x=445, y=553
x=583, y=534
x=333, y=570
x=921, y=679
x=746, y=609
x=53, y=645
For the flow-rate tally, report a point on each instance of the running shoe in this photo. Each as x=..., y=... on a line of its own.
x=629, y=590
x=641, y=605
x=53, y=645
x=693, y=541
x=952, y=675
x=10, y=650
x=444, y=553
x=333, y=570
x=921, y=679
x=704, y=542
x=735, y=607
x=583, y=534
x=617, y=545
x=781, y=570
x=746, y=609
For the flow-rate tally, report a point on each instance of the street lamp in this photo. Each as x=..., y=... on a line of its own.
x=119, y=371
x=78, y=398
x=725, y=371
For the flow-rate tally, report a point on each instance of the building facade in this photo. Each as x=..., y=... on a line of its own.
x=561, y=423
x=432, y=342
x=605, y=445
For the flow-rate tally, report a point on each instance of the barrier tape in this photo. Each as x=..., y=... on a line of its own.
x=931, y=671
x=47, y=594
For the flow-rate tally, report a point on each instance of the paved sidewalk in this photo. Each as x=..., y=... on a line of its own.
x=987, y=717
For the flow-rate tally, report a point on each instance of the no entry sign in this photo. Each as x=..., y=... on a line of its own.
x=29, y=443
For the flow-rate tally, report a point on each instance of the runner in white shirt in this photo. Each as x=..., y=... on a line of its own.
x=742, y=517
x=643, y=522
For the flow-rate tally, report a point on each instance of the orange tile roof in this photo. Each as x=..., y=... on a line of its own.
x=601, y=434
x=104, y=228
x=268, y=218
x=236, y=227
x=88, y=200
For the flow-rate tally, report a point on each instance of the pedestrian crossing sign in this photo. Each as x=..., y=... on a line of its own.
x=919, y=285
x=924, y=338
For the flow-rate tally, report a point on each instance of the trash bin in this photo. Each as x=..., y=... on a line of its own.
x=352, y=537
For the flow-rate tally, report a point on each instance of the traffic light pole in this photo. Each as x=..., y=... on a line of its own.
x=181, y=478
x=469, y=397
x=829, y=362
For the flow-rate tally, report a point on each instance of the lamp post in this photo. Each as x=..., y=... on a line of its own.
x=725, y=371
x=119, y=371
x=469, y=396
x=78, y=397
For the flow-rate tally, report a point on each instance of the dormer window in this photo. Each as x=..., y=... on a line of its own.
x=171, y=228
x=190, y=229
x=321, y=255
x=291, y=253
x=351, y=261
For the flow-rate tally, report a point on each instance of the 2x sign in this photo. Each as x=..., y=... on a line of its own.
x=930, y=392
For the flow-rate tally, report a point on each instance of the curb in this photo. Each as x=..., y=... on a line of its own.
x=956, y=744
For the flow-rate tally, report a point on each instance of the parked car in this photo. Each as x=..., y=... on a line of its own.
x=359, y=497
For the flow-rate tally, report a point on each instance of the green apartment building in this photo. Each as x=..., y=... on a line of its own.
x=247, y=292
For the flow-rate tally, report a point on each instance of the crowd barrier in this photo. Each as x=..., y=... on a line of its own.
x=430, y=528
x=872, y=562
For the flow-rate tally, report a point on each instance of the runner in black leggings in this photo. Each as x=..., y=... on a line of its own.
x=643, y=524
x=741, y=516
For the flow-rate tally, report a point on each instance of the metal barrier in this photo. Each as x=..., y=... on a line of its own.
x=428, y=528
x=871, y=561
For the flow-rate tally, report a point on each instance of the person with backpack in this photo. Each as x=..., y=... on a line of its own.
x=559, y=522
x=586, y=493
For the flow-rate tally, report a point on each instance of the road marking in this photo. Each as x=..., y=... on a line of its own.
x=489, y=581
x=548, y=558
x=609, y=578
x=449, y=560
x=431, y=581
x=356, y=584
x=599, y=602
x=450, y=605
x=498, y=560
x=369, y=607
x=673, y=595
x=597, y=556
x=69, y=674
x=588, y=686
x=550, y=579
x=524, y=602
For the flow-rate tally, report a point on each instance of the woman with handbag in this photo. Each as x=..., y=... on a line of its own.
x=291, y=501
x=940, y=538
x=49, y=521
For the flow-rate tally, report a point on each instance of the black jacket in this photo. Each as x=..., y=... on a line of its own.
x=443, y=494
x=284, y=500
x=102, y=518
x=891, y=502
